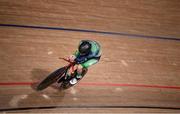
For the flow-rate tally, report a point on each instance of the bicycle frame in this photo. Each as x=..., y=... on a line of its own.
x=70, y=63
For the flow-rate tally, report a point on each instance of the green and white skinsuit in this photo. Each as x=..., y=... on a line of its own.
x=86, y=61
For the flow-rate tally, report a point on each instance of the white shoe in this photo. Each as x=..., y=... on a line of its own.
x=73, y=81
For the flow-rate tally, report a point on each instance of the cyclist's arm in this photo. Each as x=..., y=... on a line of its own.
x=90, y=62
x=73, y=56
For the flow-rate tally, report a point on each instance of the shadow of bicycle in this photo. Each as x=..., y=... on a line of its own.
x=38, y=75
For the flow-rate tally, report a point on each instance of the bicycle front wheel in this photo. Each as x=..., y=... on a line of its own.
x=51, y=78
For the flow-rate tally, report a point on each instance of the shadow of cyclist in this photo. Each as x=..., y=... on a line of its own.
x=38, y=75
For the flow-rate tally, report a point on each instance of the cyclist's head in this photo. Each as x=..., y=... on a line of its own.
x=84, y=48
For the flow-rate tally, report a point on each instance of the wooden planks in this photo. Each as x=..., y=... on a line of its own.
x=25, y=58
x=154, y=17
x=28, y=55
x=150, y=61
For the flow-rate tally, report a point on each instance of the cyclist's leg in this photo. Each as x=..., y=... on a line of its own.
x=81, y=70
x=71, y=70
x=85, y=66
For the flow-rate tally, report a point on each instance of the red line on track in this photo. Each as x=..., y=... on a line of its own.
x=15, y=83
x=97, y=84
x=131, y=85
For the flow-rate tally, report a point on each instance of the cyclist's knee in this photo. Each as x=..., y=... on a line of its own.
x=79, y=68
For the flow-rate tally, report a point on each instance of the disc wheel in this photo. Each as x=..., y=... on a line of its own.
x=51, y=78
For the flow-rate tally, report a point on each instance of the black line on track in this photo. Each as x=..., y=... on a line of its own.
x=89, y=106
x=91, y=31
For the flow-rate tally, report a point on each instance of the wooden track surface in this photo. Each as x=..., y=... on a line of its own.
x=148, y=68
x=152, y=17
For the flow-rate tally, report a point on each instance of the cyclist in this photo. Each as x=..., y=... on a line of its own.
x=87, y=54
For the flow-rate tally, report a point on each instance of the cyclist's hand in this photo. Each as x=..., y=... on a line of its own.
x=72, y=58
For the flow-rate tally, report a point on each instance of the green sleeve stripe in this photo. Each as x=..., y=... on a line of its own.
x=88, y=63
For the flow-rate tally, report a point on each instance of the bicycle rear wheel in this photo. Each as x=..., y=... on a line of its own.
x=51, y=78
